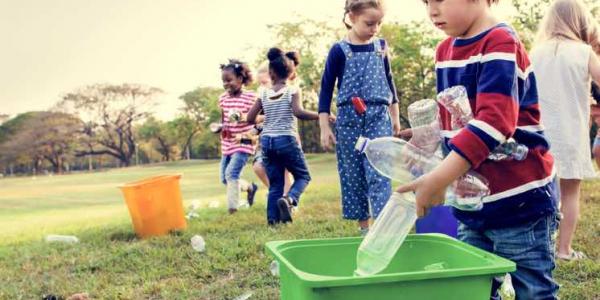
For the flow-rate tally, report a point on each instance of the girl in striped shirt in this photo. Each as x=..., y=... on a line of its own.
x=236, y=146
x=280, y=149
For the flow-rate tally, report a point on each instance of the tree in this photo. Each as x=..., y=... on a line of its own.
x=412, y=49
x=163, y=136
x=312, y=39
x=50, y=136
x=110, y=112
x=201, y=108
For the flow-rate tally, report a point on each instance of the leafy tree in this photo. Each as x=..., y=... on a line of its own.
x=50, y=136
x=201, y=108
x=162, y=135
x=110, y=112
x=412, y=50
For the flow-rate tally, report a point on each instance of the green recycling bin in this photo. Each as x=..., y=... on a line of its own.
x=427, y=266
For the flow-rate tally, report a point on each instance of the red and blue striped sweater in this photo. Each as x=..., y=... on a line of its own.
x=495, y=69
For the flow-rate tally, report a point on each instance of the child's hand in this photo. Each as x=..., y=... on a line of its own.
x=427, y=193
x=332, y=118
x=396, y=128
x=327, y=138
x=405, y=133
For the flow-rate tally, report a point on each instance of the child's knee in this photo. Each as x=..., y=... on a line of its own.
x=596, y=151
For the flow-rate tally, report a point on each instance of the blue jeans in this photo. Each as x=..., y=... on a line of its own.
x=232, y=165
x=530, y=246
x=281, y=153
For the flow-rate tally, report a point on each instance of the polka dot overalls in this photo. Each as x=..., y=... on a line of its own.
x=364, y=191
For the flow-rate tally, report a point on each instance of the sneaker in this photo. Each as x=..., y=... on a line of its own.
x=285, y=209
x=232, y=211
x=251, y=193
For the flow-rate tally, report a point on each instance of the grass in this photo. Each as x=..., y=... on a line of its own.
x=111, y=263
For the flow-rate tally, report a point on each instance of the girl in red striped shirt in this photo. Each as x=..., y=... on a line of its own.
x=236, y=143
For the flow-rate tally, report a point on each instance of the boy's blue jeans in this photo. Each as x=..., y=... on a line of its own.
x=530, y=246
x=281, y=153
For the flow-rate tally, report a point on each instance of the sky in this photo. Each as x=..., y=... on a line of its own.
x=53, y=47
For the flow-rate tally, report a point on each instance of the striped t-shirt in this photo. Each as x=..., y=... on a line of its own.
x=279, y=118
x=495, y=69
x=229, y=105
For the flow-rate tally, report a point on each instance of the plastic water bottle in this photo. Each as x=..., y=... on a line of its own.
x=70, y=239
x=509, y=150
x=423, y=116
x=456, y=102
x=401, y=161
x=386, y=235
x=198, y=243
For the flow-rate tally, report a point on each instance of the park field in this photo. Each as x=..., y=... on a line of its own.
x=109, y=262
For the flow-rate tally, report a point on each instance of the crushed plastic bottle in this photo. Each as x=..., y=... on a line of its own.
x=386, y=235
x=456, y=102
x=509, y=150
x=70, y=239
x=423, y=116
x=401, y=161
x=507, y=287
x=198, y=243
x=235, y=116
x=274, y=268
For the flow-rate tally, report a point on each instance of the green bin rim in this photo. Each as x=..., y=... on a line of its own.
x=499, y=265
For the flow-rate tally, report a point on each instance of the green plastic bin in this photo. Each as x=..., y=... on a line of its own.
x=427, y=266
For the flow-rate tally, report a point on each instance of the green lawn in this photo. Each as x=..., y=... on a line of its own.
x=111, y=263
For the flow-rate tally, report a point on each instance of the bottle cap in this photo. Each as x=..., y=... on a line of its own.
x=361, y=144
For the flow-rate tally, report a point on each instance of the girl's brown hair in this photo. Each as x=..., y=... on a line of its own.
x=356, y=6
x=570, y=20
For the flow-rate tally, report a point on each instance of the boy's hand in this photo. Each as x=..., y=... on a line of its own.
x=427, y=193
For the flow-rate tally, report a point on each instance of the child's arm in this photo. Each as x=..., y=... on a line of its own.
x=395, y=115
x=299, y=111
x=430, y=188
x=251, y=117
x=594, y=67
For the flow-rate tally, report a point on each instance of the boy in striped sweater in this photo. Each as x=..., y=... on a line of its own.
x=519, y=216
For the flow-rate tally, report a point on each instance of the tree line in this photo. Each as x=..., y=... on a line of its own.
x=112, y=125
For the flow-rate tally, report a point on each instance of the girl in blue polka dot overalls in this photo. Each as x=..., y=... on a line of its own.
x=366, y=106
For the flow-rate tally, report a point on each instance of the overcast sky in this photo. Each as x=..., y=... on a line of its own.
x=49, y=47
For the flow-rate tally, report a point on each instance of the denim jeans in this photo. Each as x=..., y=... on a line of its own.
x=530, y=246
x=281, y=153
x=232, y=165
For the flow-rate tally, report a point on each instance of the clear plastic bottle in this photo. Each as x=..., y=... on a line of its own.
x=401, y=161
x=423, y=116
x=386, y=235
x=70, y=239
x=198, y=243
x=456, y=102
x=509, y=150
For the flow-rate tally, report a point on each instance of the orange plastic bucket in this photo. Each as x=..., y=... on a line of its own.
x=155, y=205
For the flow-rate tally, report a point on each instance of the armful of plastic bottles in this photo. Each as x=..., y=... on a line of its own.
x=403, y=162
x=456, y=101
